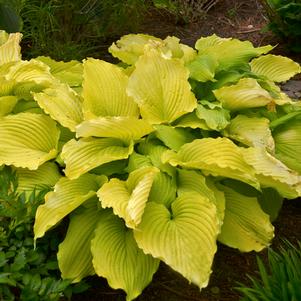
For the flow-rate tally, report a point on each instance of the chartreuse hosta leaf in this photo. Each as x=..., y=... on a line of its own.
x=276, y=68
x=45, y=177
x=117, y=257
x=214, y=115
x=10, y=50
x=229, y=52
x=164, y=189
x=218, y=157
x=122, y=127
x=7, y=103
x=74, y=255
x=27, y=140
x=32, y=71
x=202, y=68
x=163, y=92
x=273, y=173
x=173, y=137
x=247, y=93
x=251, y=131
x=62, y=104
x=88, y=153
x=194, y=181
x=67, y=196
x=288, y=144
x=246, y=227
x=130, y=47
x=104, y=91
x=191, y=120
x=184, y=237
x=128, y=198
x=70, y=72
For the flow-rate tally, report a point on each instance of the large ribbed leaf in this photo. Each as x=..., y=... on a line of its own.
x=273, y=173
x=128, y=198
x=70, y=72
x=131, y=46
x=173, y=137
x=27, y=140
x=104, y=91
x=288, y=144
x=45, y=177
x=193, y=181
x=164, y=189
x=67, y=196
x=251, y=131
x=123, y=128
x=117, y=257
x=218, y=157
x=215, y=117
x=191, y=120
x=229, y=52
x=32, y=71
x=88, y=153
x=202, y=68
x=160, y=88
x=7, y=103
x=154, y=151
x=247, y=93
x=74, y=255
x=184, y=237
x=62, y=104
x=246, y=227
x=136, y=161
x=275, y=67
x=10, y=50
x=204, y=43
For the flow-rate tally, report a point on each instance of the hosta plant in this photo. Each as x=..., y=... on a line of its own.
x=155, y=158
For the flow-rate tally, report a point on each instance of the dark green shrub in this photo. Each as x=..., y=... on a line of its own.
x=281, y=280
x=285, y=21
x=26, y=273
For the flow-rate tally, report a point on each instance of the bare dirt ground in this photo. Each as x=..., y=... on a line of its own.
x=244, y=20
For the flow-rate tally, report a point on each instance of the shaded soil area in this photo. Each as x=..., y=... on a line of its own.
x=244, y=20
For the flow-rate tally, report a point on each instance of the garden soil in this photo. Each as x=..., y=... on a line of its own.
x=244, y=20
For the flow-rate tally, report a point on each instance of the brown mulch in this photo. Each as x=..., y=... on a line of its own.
x=244, y=20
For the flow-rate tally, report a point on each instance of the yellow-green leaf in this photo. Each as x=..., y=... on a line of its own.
x=246, y=227
x=62, y=104
x=251, y=131
x=184, y=237
x=117, y=257
x=273, y=173
x=128, y=198
x=161, y=89
x=218, y=157
x=67, y=196
x=74, y=255
x=88, y=153
x=10, y=50
x=7, y=104
x=104, y=91
x=247, y=93
x=276, y=68
x=123, y=128
x=27, y=140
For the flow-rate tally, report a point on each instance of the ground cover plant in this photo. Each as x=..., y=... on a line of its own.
x=155, y=158
x=280, y=278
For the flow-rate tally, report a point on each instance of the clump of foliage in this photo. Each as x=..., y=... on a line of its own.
x=186, y=10
x=280, y=280
x=161, y=156
x=26, y=273
x=69, y=29
x=285, y=21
